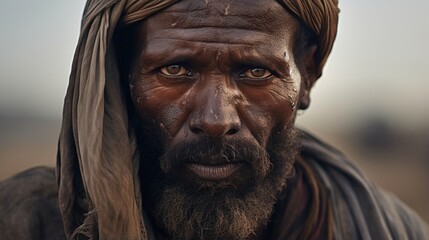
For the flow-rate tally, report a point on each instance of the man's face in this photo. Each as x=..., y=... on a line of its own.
x=215, y=85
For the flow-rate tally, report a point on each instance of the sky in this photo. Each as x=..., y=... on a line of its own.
x=379, y=65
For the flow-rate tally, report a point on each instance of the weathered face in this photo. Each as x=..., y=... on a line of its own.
x=222, y=69
x=221, y=74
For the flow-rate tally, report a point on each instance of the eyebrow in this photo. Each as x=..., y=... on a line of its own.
x=246, y=55
x=256, y=57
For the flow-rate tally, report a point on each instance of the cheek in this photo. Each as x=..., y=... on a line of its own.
x=163, y=105
x=273, y=108
x=288, y=103
x=259, y=122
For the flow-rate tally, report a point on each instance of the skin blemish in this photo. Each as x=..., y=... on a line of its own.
x=217, y=57
x=219, y=89
x=140, y=99
x=165, y=134
x=226, y=10
x=187, y=103
x=286, y=56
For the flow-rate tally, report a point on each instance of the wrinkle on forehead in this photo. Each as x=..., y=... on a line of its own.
x=242, y=22
x=214, y=35
x=243, y=14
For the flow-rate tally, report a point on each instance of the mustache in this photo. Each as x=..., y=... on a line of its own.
x=215, y=151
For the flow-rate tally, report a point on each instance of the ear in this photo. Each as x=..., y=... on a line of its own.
x=309, y=74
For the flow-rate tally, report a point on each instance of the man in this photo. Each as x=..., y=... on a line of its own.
x=179, y=124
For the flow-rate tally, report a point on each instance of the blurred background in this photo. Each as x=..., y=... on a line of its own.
x=372, y=101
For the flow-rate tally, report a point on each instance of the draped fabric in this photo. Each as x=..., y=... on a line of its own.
x=305, y=211
x=97, y=161
x=322, y=18
x=360, y=209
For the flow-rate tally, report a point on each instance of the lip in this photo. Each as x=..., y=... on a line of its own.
x=214, y=172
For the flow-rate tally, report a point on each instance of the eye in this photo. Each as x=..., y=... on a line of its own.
x=175, y=70
x=256, y=73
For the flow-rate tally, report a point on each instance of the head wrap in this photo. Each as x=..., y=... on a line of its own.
x=97, y=162
x=320, y=16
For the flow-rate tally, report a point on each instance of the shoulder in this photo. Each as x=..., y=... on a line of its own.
x=29, y=206
x=361, y=210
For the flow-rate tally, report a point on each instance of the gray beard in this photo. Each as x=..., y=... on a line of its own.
x=224, y=213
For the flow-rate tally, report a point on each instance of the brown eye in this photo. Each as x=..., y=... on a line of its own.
x=174, y=70
x=257, y=73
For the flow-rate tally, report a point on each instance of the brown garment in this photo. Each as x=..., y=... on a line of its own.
x=360, y=209
x=29, y=206
x=305, y=211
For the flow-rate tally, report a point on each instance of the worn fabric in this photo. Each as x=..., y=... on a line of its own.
x=97, y=159
x=29, y=206
x=321, y=17
x=360, y=209
x=304, y=212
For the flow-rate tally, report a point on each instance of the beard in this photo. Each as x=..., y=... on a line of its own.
x=192, y=208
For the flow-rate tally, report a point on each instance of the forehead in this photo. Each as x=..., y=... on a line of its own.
x=243, y=22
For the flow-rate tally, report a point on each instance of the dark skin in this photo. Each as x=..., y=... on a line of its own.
x=220, y=69
x=235, y=78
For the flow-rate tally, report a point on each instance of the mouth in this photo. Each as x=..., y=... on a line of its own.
x=214, y=172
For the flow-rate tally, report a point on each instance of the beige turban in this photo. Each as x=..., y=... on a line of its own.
x=97, y=163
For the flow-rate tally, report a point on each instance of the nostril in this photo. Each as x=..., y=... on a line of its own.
x=231, y=131
x=196, y=130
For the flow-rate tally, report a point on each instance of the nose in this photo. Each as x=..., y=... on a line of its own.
x=215, y=114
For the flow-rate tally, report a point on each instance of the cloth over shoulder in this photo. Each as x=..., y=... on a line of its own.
x=361, y=210
x=29, y=206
